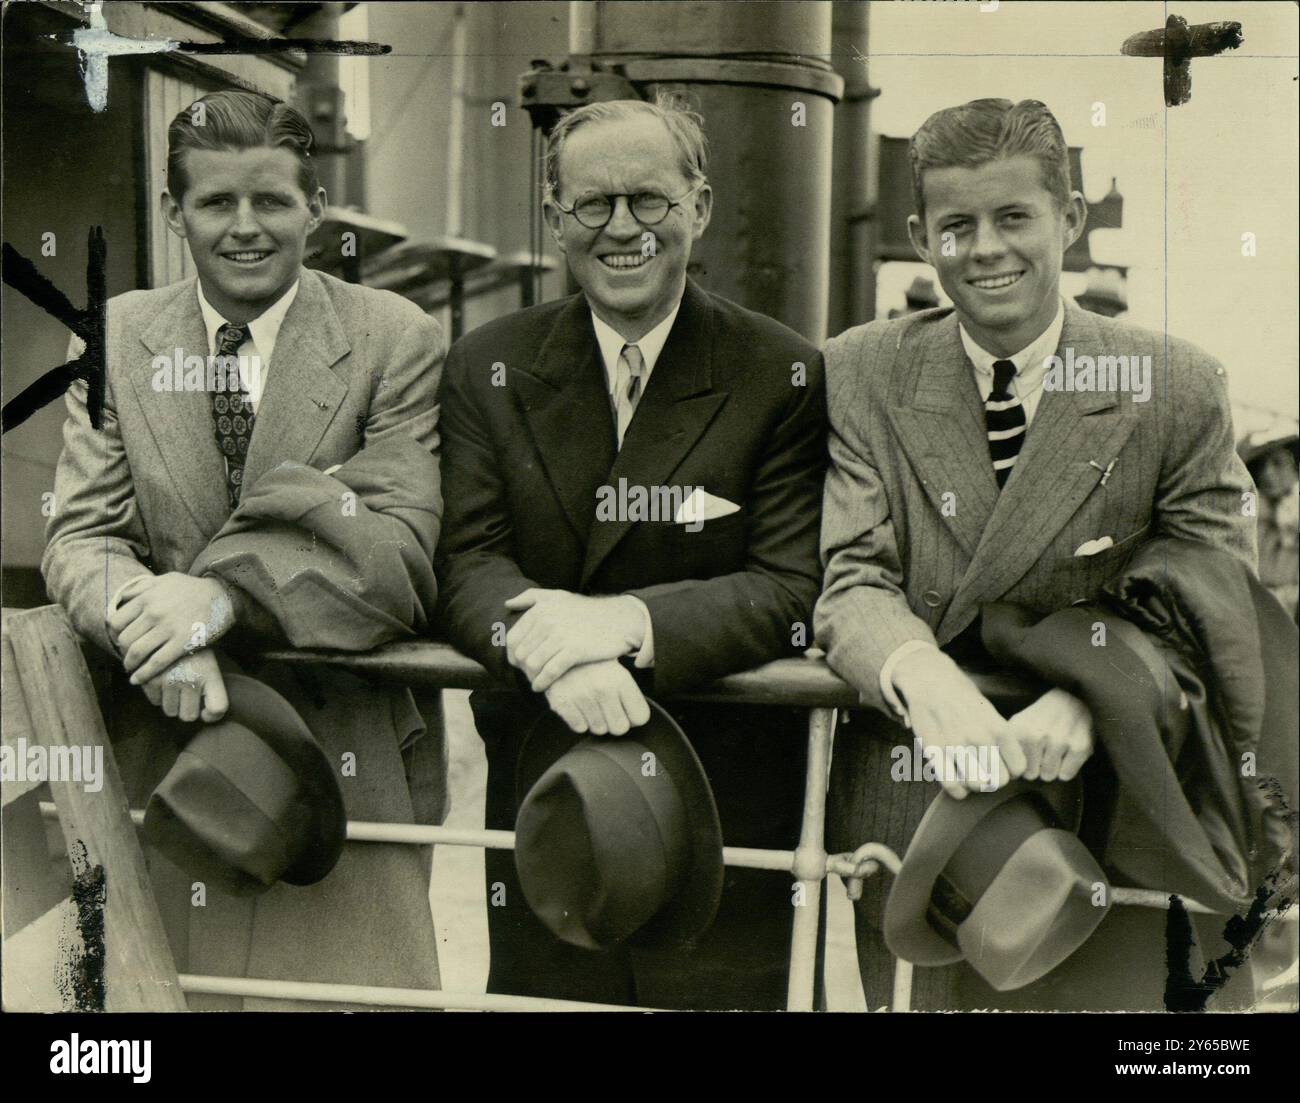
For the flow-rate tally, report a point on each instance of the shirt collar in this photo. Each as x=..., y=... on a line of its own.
x=264, y=329
x=611, y=344
x=1029, y=361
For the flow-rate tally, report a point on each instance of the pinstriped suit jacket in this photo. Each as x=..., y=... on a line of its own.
x=915, y=536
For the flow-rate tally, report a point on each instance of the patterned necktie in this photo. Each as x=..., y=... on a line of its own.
x=232, y=409
x=1004, y=418
x=628, y=379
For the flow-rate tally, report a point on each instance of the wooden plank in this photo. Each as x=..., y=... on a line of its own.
x=201, y=21
x=15, y=722
x=165, y=96
x=138, y=971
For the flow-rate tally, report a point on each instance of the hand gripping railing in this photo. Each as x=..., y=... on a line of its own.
x=799, y=682
x=805, y=683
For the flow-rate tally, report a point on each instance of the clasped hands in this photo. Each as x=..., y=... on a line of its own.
x=568, y=646
x=164, y=630
x=975, y=749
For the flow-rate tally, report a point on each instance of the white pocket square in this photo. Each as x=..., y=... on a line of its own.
x=702, y=506
x=1092, y=547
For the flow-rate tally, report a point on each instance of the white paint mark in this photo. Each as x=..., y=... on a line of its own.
x=97, y=44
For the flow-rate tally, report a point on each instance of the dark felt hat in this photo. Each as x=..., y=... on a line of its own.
x=1000, y=880
x=251, y=799
x=1253, y=447
x=617, y=840
x=921, y=293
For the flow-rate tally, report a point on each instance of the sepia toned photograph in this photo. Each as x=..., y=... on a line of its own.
x=732, y=506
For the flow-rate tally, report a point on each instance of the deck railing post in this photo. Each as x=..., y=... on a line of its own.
x=810, y=862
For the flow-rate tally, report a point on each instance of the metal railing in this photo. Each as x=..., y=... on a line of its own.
x=805, y=683
x=799, y=682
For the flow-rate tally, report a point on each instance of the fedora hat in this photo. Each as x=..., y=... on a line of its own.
x=921, y=293
x=1254, y=446
x=1000, y=880
x=251, y=799
x=617, y=840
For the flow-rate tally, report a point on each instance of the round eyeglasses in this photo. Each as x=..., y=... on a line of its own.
x=649, y=208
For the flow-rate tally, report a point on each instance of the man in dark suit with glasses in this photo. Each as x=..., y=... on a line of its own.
x=633, y=477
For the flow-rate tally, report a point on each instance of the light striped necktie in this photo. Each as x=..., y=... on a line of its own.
x=1004, y=418
x=628, y=379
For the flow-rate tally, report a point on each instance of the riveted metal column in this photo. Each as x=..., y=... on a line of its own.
x=853, y=180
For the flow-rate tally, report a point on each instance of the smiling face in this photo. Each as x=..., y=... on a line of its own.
x=630, y=286
x=1002, y=265
x=246, y=219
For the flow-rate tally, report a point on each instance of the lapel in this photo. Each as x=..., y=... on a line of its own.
x=302, y=391
x=181, y=420
x=941, y=429
x=566, y=407
x=1052, y=476
x=290, y=416
x=676, y=408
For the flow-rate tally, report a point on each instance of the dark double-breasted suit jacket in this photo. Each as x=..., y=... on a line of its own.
x=735, y=404
x=146, y=493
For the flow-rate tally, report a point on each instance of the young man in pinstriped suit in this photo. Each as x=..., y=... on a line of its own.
x=963, y=473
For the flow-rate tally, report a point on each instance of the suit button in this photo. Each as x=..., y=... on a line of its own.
x=932, y=598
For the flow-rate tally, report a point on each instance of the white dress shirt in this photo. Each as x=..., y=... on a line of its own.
x=1030, y=362
x=263, y=332
x=611, y=344
x=1026, y=385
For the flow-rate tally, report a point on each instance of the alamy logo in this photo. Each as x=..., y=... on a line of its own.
x=214, y=374
x=630, y=502
x=979, y=763
x=1115, y=374
x=83, y=765
x=102, y=1056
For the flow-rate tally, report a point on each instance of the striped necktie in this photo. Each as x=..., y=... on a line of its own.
x=628, y=379
x=1004, y=418
x=232, y=410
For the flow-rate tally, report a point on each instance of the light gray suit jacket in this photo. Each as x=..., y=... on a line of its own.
x=916, y=536
x=146, y=493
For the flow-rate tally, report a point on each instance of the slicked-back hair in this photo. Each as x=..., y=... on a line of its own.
x=981, y=131
x=686, y=128
x=239, y=120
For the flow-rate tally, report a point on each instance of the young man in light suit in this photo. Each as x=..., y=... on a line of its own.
x=645, y=380
x=963, y=471
x=331, y=369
